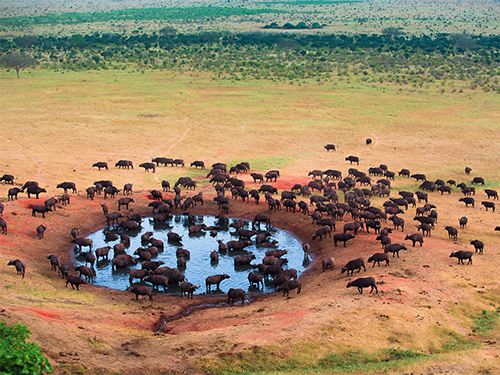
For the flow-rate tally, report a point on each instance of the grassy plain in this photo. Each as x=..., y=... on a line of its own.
x=415, y=17
x=55, y=125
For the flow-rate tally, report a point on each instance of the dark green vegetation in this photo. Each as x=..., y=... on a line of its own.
x=471, y=61
x=16, y=355
x=143, y=14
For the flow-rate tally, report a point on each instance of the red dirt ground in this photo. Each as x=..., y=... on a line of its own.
x=105, y=331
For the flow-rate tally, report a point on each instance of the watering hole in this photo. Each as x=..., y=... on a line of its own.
x=199, y=264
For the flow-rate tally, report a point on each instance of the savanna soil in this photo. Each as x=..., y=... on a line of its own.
x=425, y=299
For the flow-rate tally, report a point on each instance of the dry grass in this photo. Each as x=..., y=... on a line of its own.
x=54, y=126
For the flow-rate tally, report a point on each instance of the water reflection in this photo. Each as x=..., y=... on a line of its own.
x=199, y=264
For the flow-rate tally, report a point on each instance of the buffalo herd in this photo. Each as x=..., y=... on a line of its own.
x=320, y=202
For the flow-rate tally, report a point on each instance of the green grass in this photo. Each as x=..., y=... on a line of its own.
x=318, y=357
x=140, y=14
x=300, y=359
x=267, y=162
x=486, y=322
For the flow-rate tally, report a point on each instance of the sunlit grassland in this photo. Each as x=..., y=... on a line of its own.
x=152, y=113
x=54, y=124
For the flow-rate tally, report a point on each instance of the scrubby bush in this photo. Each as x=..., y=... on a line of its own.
x=18, y=356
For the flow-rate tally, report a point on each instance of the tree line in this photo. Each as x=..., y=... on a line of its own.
x=386, y=57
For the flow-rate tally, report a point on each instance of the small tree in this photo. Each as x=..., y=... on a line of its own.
x=464, y=42
x=168, y=30
x=17, y=60
x=393, y=32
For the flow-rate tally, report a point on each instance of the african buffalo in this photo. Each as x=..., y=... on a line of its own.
x=487, y=205
x=188, y=289
x=81, y=242
x=40, y=230
x=128, y=224
x=197, y=164
x=140, y=290
x=123, y=260
x=444, y=189
x=148, y=166
x=157, y=281
x=75, y=280
x=7, y=179
x=254, y=278
x=261, y=218
x=138, y=274
x=467, y=201
x=477, y=180
x=352, y=159
x=415, y=237
x=151, y=265
x=243, y=259
x=379, y=257
x=54, y=262
x=425, y=219
x=491, y=193
x=355, y=264
x=66, y=186
x=113, y=217
x=124, y=164
x=127, y=189
x=238, y=245
x=20, y=267
x=363, y=282
x=289, y=285
x=327, y=263
x=404, y=172
x=124, y=202
x=463, y=222
x=418, y=176
x=342, y=237
x=35, y=190
x=322, y=232
x=111, y=191
x=12, y=193
x=165, y=185
x=164, y=161
x=374, y=224
x=100, y=165
x=40, y=209
x=234, y=294
x=215, y=280
x=174, y=237
x=461, y=255
x=64, y=199
x=394, y=248
x=452, y=232
x=85, y=271
x=50, y=203
x=178, y=162
x=478, y=246
x=102, y=252
x=91, y=192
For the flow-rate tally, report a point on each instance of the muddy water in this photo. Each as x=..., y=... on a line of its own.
x=199, y=265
